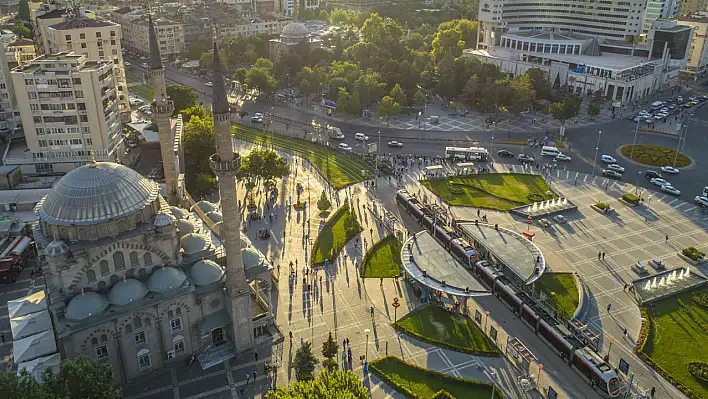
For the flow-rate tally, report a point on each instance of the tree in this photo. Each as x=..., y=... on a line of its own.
x=565, y=109
x=541, y=84
x=199, y=145
x=522, y=93
x=473, y=87
x=23, y=11
x=323, y=204
x=22, y=31
x=337, y=384
x=593, y=110
x=348, y=103
x=81, y=377
x=182, y=96
x=198, y=48
x=305, y=362
x=195, y=110
x=203, y=183
x=398, y=95
x=369, y=87
x=240, y=75
x=420, y=97
x=22, y=386
x=330, y=348
x=388, y=107
x=260, y=79
x=264, y=165
x=264, y=63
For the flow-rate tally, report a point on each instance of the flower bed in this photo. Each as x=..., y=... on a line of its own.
x=699, y=370
x=601, y=207
x=631, y=198
x=693, y=254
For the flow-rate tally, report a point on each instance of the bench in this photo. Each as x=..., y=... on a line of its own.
x=657, y=264
x=639, y=268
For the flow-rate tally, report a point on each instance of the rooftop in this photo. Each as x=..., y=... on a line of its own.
x=81, y=23
x=21, y=42
x=52, y=14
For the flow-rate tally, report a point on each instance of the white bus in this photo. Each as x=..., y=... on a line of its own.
x=467, y=153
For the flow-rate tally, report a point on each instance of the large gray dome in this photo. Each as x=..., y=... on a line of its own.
x=165, y=279
x=206, y=272
x=193, y=243
x=295, y=30
x=86, y=305
x=96, y=193
x=127, y=291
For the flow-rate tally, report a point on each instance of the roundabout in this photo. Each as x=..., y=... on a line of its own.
x=654, y=155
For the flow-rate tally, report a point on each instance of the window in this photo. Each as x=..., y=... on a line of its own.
x=100, y=53
x=128, y=328
x=176, y=325
x=82, y=36
x=178, y=347
x=118, y=260
x=91, y=276
x=77, y=81
x=138, y=323
x=40, y=131
x=83, y=118
x=81, y=106
x=67, y=37
x=113, y=33
x=88, y=141
x=147, y=259
x=34, y=107
x=83, y=45
x=113, y=42
x=32, y=95
x=37, y=119
x=42, y=143
x=134, y=262
x=144, y=362
x=94, y=341
x=140, y=338
x=102, y=353
x=98, y=34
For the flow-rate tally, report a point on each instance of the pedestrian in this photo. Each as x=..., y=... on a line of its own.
x=609, y=307
x=344, y=343
x=667, y=238
x=256, y=353
x=624, y=288
x=291, y=336
x=603, y=256
x=302, y=340
x=254, y=375
x=653, y=391
x=625, y=333
x=248, y=378
x=599, y=255
x=347, y=341
x=372, y=311
x=344, y=357
x=381, y=283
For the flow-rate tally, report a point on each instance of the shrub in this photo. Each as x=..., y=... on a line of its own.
x=701, y=299
x=699, y=370
x=560, y=144
x=602, y=205
x=693, y=254
x=323, y=204
x=631, y=198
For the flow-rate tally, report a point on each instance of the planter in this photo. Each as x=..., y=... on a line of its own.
x=629, y=204
x=603, y=211
x=691, y=261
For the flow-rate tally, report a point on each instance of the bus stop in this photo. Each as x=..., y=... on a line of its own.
x=434, y=171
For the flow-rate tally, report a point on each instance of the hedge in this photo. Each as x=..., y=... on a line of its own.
x=602, y=205
x=693, y=254
x=699, y=370
x=631, y=198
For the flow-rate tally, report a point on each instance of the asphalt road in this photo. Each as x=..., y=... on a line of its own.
x=584, y=140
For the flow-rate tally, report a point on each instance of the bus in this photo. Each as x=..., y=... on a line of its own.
x=467, y=153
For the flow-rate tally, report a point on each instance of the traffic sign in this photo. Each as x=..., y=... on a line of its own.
x=395, y=304
x=528, y=221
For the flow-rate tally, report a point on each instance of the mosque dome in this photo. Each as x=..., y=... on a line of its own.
x=85, y=305
x=206, y=206
x=251, y=257
x=295, y=30
x=205, y=272
x=179, y=213
x=96, y=193
x=164, y=219
x=193, y=243
x=165, y=279
x=214, y=216
x=127, y=291
x=56, y=249
x=185, y=227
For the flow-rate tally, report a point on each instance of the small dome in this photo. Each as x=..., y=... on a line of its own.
x=251, y=257
x=164, y=219
x=86, y=305
x=193, y=243
x=295, y=30
x=206, y=272
x=57, y=248
x=179, y=213
x=185, y=226
x=165, y=279
x=127, y=291
x=206, y=206
x=214, y=216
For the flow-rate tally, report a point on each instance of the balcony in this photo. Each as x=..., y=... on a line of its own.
x=226, y=166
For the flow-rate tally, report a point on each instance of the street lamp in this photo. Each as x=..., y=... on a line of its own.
x=636, y=185
x=486, y=320
x=366, y=351
x=597, y=147
x=636, y=130
x=491, y=150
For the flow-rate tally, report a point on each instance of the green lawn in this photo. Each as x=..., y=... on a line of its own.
x=450, y=330
x=421, y=383
x=654, y=155
x=383, y=259
x=143, y=91
x=339, y=229
x=501, y=191
x=677, y=336
x=340, y=169
x=566, y=291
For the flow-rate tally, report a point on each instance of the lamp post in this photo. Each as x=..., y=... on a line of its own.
x=491, y=150
x=366, y=351
x=682, y=134
x=492, y=374
x=636, y=185
x=597, y=147
x=636, y=130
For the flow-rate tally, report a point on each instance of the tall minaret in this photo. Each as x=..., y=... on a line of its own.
x=225, y=163
x=162, y=109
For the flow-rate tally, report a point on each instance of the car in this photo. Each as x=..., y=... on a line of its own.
x=670, y=169
x=607, y=159
x=616, y=168
x=209, y=84
x=505, y=153
x=361, y=137
x=652, y=174
x=256, y=119
x=344, y=147
x=679, y=99
x=700, y=200
x=657, y=181
x=544, y=223
x=611, y=174
x=126, y=63
x=258, y=115
x=668, y=188
x=562, y=157
x=144, y=64
x=135, y=101
x=524, y=158
x=396, y=144
x=560, y=219
x=649, y=120
x=639, y=118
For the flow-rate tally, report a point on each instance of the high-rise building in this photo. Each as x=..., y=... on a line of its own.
x=659, y=9
x=69, y=109
x=697, y=65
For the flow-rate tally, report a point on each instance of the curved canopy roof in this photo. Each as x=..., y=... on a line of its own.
x=193, y=243
x=127, y=291
x=86, y=305
x=205, y=272
x=56, y=248
x=206, y=206
x=165, y=279
x=252, y=257
x=164, y=219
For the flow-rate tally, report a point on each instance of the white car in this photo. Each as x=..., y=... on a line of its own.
x=135, y=101
x=615, y=167
x=209, y=84
x=126, y=63
x=256, y=119
x=344, y=147
x=562, y=157
x=670, y=169
x=607, y=159
x=396, y=144
x=144, y=65
x=649, y=120
x=258, y=115
x=701, y=200
x=668, y=188
x=658, y=182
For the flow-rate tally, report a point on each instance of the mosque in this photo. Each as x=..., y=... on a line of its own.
x=136, y=281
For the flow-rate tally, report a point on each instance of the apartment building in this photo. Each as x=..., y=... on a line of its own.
x=69, y=110
x=247, y=28
x=44, y=16
x=697, y=65
x=23, y=50
x=170, y=34
x=97, y=40
x=9, y=114
x=691, y=7
x=659, y=9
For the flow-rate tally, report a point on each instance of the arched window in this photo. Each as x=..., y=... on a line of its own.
x=104, y=267
x=138, y=323
x=147, y=259
x=121, y=226
x=118, y=260
x=64, y=234
x=134, y=261
x=178, y=311
x=142, y=273
x=104, y=338
x=147, y=321
x=94, y=341
x=170, y=314
x=83, y=235
x=130, y=273
x=91, y=276
x=102, y=231
x=128, y=328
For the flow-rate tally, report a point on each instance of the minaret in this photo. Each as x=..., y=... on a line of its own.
x=225, y=163
x=162, y=109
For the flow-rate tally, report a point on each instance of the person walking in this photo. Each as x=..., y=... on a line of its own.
x=603, y=256
x=667, y=238
x=625, y=333
x=599, y=255
x=609, y=307
x=248, y=378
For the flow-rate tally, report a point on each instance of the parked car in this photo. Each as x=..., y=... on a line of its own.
x=396, y=144
x=607, y=159
x=135, y=101
x=144, y=64
x=670, y=169
x=657, y=181
x=544, y=223
x=562, y=157
x=616, y=168
x=652, y=174
x=700, y=200
x=668, y=188
x=505, y=153
x=611, y=174
x=560, y=219
x=361, y=137
x=209, y=84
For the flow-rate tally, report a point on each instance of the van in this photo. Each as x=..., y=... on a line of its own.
x=657, y=104
x=361, y=137
x=335, y=132
x=552, y=151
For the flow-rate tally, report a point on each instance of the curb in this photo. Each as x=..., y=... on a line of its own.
x=583, y=299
